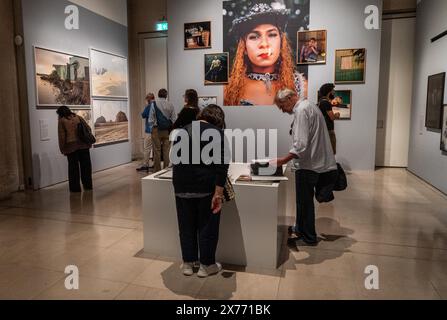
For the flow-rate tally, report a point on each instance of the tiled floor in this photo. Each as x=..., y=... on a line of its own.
x=389, y=219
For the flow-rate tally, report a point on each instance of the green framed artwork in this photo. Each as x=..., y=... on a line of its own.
x=343, y=104
x=350, y=66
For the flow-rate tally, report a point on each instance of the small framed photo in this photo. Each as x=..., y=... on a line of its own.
x=206, y=101
x=197, y=35
x=342, y=104
x=444, y=130
x=216, y=68
x=312, y=47
x=350, y=66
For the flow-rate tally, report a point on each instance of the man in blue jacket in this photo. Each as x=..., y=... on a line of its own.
x=148, y=143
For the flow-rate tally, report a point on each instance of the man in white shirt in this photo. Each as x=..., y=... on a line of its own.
x=311, y=154
x=162, y=118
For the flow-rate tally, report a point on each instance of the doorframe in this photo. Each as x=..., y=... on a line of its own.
x=142, y=36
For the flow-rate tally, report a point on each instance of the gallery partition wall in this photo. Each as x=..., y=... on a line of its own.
x=344, y=22
x=93, y=59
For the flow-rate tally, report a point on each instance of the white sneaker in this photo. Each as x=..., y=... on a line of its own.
x=188, y=268
x=206, y=271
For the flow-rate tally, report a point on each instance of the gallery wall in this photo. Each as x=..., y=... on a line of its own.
x=425, y=157
x=344, y=21
x=44, y=22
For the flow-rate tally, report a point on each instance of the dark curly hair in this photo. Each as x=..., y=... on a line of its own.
x=214, y=115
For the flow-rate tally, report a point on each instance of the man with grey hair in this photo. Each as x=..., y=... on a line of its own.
x=311, y=154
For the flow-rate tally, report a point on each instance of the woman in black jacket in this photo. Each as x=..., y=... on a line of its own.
x=190, y=111
x=199, y=188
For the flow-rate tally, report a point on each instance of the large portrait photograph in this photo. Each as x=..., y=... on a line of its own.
x=260, y=37
x=198, y=35
x=61, y=79
x=350, y=66
x=111, y=121
x=312, y=47
x=109, y=75
x=216, y=68
x=435, y=101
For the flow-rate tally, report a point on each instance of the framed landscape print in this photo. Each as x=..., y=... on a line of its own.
x=343, y=104
x=111, y=121
x=109, y=75
x=312, y=47
x=61, y=79
x=350, y=66
x=206, y=101
x=216, y=68
x=435, y=101
x=444, y=130
x=197, y=35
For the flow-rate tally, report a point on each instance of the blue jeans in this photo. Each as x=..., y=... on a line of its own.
x=306, y=182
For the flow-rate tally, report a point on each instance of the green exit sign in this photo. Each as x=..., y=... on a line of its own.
x=162, y=26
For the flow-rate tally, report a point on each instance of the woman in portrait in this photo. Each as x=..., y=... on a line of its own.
x=263, y=63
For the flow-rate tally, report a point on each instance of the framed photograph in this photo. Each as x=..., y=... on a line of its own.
x=312, y=47
x=61, y=79
x=243, y=19
x=109, y=75
x=435, y=101
x=444, y=129
x=86, y=114
x=343, y=104
x=206, y=101
x=350, y=66
x=197, y=35
x=216, y=68
x=111, y=121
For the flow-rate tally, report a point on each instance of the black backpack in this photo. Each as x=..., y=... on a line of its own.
x=85, y=133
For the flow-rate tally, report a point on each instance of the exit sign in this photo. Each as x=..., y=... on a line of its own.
x=162, y=26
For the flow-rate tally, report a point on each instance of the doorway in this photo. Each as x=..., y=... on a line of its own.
x=154, y=64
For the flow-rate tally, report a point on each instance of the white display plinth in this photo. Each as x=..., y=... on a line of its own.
x=249, y=225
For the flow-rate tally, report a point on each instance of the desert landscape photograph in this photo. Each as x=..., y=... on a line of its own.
x=111, y=121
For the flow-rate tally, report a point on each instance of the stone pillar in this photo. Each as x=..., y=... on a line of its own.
x=9, y=105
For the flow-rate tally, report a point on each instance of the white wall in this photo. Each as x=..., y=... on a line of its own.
x=425, y=158
x=44, y=27
x=115, y=10
x=344, y=20
x=396, y=92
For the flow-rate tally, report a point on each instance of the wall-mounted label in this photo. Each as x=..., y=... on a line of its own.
x=44, y=130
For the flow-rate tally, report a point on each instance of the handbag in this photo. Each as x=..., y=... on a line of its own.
x=342, y=181
x=228, y=193
x=85, y=133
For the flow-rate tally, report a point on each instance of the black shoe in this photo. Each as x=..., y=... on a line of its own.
x=143, y=169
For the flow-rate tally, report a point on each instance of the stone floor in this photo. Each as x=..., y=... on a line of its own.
x=389, y=219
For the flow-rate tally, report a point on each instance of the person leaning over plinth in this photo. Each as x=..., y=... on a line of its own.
x=199, y=192
x=312, y=156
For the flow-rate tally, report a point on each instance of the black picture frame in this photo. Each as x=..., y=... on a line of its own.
x=435, y=101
